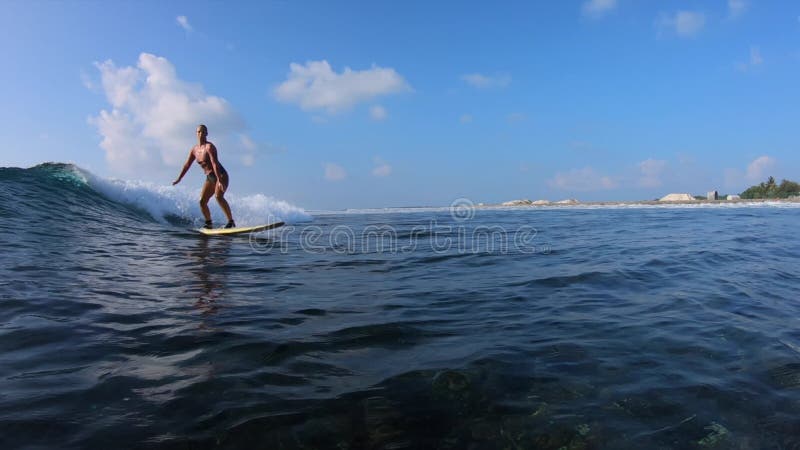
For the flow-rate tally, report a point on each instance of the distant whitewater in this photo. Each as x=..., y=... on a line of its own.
x=176, y=205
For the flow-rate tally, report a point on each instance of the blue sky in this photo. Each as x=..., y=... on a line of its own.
x=333, y=105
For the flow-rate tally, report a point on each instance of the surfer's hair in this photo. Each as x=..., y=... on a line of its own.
x=205, y=128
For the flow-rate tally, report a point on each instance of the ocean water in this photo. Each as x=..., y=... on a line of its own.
x=660, y=327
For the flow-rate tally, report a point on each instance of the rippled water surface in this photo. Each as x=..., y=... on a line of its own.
x=607, y=328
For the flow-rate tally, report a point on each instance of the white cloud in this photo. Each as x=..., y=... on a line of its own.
x=315, y=86
x=153, y=117
x=683, y=23
x=755, y=56
x=382, y=169
x=88, y=83
x=248, y=159
x=378, y=113
x=757, y=171
x=127, y=150
x=465, y=118
x=247, y=142
x=755, y=60
x=688, y=23
x=597, y=8
x=183, y=21
x=759, y=168
x=586, y=179
x=736, y=8
x=650, y=171
x=334, y=172
x=486, y=82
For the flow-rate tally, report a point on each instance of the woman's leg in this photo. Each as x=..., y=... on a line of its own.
x=205, y=195
x=221, y=198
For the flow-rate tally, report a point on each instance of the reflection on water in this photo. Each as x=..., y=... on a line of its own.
x=210, y=256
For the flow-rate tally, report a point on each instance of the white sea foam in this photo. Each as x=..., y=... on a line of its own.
x=392, y=210
x=164, y=201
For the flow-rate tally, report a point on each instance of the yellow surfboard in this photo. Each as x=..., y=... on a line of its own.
x=238, y=230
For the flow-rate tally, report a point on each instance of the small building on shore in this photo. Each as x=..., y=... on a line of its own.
x=522, y=202
x=733, y=197
x=712, y=195
x=677, y=198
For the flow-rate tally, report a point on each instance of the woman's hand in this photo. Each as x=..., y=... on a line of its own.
x=176, y=181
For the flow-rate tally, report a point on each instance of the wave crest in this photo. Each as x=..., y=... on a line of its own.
x=165, y=204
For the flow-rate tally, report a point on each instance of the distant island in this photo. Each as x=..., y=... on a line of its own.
x=771, y=190
x=766, y=191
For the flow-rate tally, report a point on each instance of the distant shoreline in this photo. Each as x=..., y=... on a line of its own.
x=576, y=204
x=539, y=204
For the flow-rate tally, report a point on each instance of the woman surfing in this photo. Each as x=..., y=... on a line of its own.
x=216, y=177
